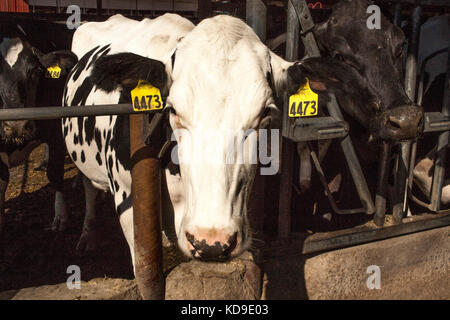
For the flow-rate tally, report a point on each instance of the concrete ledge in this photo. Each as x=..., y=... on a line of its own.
x=415, y=266
x=238, y=279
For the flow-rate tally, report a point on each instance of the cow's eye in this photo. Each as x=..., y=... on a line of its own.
x=398, y=51
x=170, y=109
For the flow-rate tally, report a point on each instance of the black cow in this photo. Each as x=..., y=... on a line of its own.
x=23, y=83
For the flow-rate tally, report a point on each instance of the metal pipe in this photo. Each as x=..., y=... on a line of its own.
x=411, y=61
x=256, y=16
x=383, y=172
x=400, y=181
x=287, y=146
x=146, y=191
x=404, y=171
x=45, y=113
x=397, y=14
x=441, y=153
x=364, y=236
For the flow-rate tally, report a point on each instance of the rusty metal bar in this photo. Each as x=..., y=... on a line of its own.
x=146, y=191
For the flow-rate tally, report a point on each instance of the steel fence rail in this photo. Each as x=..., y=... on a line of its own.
x=46, y=113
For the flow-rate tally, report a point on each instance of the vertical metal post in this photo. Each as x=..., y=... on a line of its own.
x=287, y=146
x=333, y=108
x=441, y=153
x=404, y=170
x=380, y=198
x=146, y=193
x=256, y=15
x=397, y=14
x=256, y=18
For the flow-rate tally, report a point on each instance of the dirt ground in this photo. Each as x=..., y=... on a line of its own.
x=32, y=255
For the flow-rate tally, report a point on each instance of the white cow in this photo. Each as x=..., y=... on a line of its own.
x=221, y=81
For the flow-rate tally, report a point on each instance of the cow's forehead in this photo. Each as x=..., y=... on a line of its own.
x=221, y=76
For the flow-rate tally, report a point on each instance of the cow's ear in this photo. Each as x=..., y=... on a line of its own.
x=324, y=75
x=65, y=59
x=126, y=69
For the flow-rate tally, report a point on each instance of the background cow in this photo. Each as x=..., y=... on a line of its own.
x=23, y=84
x=220, y=78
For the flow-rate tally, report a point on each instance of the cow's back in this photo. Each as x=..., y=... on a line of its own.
x=152, y=38
x=99, y=146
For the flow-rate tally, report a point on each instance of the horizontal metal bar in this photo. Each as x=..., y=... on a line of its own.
x=434, y=3
x=46, y=113
x=436, y=121
x=327, y=241
x=308, y=129
x=355, y=238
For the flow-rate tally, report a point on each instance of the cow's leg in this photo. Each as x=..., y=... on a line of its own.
x=126, y=222
x=4, y=178
x=423, y=177
x=120, y=187
x=55, y=174
x=44, y=161
x=88, y=238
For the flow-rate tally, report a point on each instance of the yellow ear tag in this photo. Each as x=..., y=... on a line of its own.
x=304, y=103
x=146, y=97
x=53, y=72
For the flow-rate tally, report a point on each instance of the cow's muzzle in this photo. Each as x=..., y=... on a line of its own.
x=211, y=245
x=18, y=132
x=400, y=123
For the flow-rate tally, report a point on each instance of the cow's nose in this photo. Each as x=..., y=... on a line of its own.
x=211, y=245
x=405, y=122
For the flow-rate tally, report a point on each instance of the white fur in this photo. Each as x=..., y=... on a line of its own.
x=10, y=50
x=219, y=85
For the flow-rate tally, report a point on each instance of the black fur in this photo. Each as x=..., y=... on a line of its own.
x=125, y=69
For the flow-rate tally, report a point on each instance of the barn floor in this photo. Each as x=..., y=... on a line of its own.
x=32, y=255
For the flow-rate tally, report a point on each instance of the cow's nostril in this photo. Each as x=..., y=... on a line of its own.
x=394, y=122
x=211, y=250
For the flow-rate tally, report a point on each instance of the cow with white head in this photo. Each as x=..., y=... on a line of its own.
x=220, y=80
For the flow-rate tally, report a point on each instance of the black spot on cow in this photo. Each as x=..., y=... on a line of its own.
x=103, y=51
x=126, y=69
x=74, y=156
x=75, y=139
x=82, y=64
x=82, y=92
x=98, y=158
x=89, y=125
x=66, y=129
x=110, y=165
x=124, y=196
x=116, y=186
x=80, y=129
x=83, y=158
x=98, y=139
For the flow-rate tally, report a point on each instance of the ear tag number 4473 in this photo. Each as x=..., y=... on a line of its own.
x=146, y=97
x=304, y=103
x=54, y=72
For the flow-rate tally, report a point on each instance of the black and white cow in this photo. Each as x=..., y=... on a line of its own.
x=23, y=84
x=220, y=80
